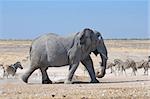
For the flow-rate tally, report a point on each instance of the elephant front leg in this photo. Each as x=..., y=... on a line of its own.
x=88, y=63
x=72, y=70
x=45, y=78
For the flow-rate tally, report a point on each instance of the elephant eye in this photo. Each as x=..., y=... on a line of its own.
x=100, y=37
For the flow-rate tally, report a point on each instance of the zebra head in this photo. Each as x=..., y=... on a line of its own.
x=18, y=65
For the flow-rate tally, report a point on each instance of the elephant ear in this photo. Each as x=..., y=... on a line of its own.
x=74, y=51
x=74, y=54
x=82, y=37
x=81, y=42
x=85, y=39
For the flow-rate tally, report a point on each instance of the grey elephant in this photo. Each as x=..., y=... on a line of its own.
x=51, y=50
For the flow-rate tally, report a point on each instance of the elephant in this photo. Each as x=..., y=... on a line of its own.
x=52, y=50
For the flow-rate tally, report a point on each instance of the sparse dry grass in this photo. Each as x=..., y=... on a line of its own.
x=12, y=51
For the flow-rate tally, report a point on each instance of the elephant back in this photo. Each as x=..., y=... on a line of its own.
x=49, y=48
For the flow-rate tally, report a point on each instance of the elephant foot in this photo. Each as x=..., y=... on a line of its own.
x=68, y=82
x=24, y=78
x=94, y=81
x=100, y=74
x=46, y=82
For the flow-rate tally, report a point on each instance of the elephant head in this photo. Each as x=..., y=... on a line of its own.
x=101, y=49
x=92, y=41
x=84, y=43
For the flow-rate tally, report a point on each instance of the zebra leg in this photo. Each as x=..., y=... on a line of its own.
x=117, y=69
x=145, y=71
x=122, y=70
x=111, y=70
x=13, y=75
x=7, y=75
x=125, y=72
x=134, y=71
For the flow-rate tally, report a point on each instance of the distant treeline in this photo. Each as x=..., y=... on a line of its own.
x=15, y=39
x=105, y=39
x=127, y=39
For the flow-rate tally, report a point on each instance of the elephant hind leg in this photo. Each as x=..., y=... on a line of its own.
x=28, y=74
x=45, y=78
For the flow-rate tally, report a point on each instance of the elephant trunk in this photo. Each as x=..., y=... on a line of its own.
x=103, y=67
x=103, y=53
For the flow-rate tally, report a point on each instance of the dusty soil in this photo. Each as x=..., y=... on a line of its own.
x=111, y=86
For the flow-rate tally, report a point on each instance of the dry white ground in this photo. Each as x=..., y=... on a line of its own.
x=111, y=86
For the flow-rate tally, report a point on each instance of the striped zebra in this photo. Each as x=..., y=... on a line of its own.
x=12, y=69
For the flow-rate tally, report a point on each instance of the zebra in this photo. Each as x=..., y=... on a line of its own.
x=110, y=65
x=143, y=64
x=122, y=66
x=11, y=69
